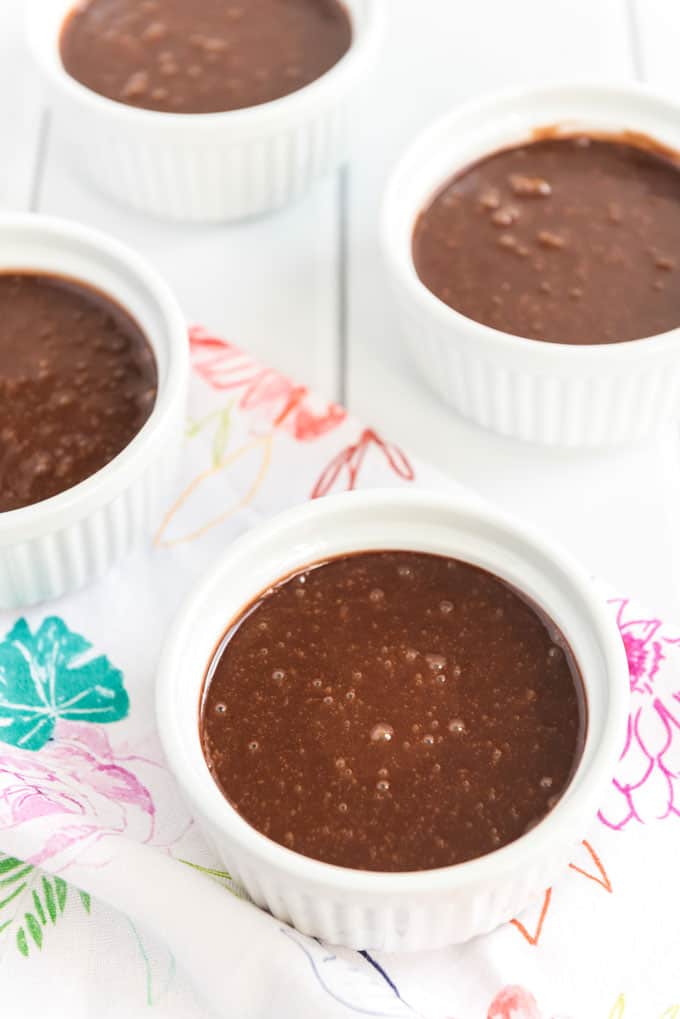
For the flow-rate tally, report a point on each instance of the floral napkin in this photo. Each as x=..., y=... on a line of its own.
x=110, y=902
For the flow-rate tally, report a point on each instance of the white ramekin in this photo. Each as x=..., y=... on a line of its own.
x=410, y=911
x=544, y=392
x=206, y=167
x=59, y=545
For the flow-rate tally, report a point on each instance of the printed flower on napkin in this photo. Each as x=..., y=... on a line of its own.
x=50, y=675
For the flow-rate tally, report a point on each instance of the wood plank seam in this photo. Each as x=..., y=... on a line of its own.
x=44, y=134
x=636, y=48
x=343, y=200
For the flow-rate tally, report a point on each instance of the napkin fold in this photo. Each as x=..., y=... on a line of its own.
x=111, y=902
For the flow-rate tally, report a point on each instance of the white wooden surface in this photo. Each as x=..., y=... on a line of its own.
x=304, y=290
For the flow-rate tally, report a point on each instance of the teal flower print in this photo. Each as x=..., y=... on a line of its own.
x=50, y=675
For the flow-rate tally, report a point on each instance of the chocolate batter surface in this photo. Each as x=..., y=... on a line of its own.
x=393, y=711
x=207, y=56
x=77, y=382
x=569, y=240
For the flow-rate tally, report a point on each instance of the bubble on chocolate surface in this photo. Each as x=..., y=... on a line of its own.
x=382, y=733
x=490, y=198
x=529, y=187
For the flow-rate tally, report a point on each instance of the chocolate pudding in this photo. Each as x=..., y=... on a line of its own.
x=570, y=240
x=77, y=382
x=207, y=56
x=393, y=711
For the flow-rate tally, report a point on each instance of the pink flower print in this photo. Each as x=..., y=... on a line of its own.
x=643, y=651
x=513, y=1002
x=345, y=468
x=645, y=787
x=76, y=793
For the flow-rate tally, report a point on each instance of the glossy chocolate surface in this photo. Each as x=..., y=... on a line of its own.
x=207, y=56
x=568, y=240
x=78, y=380
x=393, y=711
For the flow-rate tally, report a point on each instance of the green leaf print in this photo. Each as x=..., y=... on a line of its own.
x=61, y=889
x=15, y=880
x=8, y=863
x=221, y=438
x=50, y=903
x=22, y=944
x=34, y=929
x=50, y=675
x=222, y=877
x=221, y=435
x=39, y=907
x=31, y=902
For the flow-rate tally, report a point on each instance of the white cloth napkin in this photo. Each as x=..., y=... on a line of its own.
x=110, y=902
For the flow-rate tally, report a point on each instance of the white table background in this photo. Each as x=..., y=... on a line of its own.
x=305, y=291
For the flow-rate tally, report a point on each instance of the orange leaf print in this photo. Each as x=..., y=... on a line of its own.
x=204, y=497
x=534, y=938
x=601, y=877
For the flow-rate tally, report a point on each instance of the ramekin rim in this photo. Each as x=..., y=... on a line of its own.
x=402, y=264
x=511, y=857
x=74, y=503
x=362, y=45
